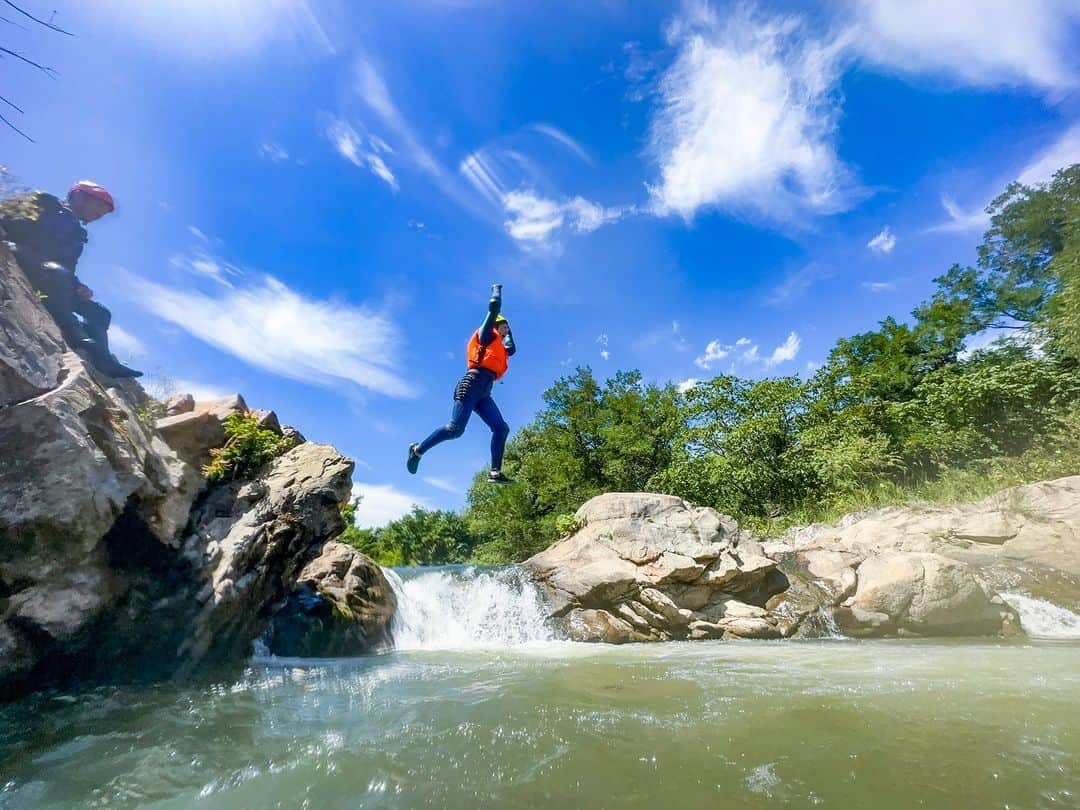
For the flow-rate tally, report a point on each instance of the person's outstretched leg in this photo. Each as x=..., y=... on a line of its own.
x=464, y=399
x=487, y=410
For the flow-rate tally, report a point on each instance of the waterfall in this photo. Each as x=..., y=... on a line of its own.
x=466, y=607
x=1042, y=619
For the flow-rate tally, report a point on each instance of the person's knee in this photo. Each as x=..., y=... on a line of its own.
x=502, y=430
x=454, y=430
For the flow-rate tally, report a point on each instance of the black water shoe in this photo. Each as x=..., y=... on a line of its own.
x=414, y=459
x=496, y=477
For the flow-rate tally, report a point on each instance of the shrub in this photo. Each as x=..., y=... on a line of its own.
x=247, y=447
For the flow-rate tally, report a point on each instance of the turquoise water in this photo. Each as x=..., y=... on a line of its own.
x=883, y=724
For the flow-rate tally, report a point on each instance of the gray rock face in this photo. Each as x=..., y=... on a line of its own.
x=651, y=567
x=937, y=570
x=342, y=605
x=191, y=433
x=114, y=562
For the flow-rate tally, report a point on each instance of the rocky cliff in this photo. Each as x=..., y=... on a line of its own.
x=645, y=567
x=116, y=560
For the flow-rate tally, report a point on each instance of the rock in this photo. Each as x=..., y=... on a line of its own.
x=342, y=605
x=643, y=565
x=178, y=404
x=31, y=347
x=1025, y=538
x=267, y=420
x=192, y=434
x=249, y=556
x=921, y=594
x=115, y=563
x=294, y=435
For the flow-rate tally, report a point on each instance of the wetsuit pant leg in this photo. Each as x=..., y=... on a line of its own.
x=57, y=285
x=471, y=388
x=487, y=410
x=96, y=320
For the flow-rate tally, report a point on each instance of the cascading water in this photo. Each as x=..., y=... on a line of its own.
x=466, y=607
x=1042, y=619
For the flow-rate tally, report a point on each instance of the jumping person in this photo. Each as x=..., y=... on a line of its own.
x=489, y=351
x=47, y=237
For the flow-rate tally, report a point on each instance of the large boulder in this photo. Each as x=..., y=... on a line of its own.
x=917, y=593
x=193, y=432
x=1025, y=539
x=116, y=561
x=647, y=567
x=342, y=605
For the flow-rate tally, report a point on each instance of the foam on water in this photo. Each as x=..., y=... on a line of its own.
x=1042, y=619
x=466, y=607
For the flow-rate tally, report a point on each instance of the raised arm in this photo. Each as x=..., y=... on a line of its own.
x=487, y=328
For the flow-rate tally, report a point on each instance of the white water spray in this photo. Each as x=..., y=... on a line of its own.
x=1042, y=619
x=461, y=608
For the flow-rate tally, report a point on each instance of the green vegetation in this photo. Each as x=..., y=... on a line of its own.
x=896, y=415
x=247, y=447
x=422, y=537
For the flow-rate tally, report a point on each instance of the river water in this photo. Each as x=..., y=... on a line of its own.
x=481, y=707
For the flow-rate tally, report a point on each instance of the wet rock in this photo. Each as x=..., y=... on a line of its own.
x=342, y=605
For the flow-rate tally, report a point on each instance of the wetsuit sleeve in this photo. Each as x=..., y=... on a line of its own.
x=508, y=342
x=487, y=328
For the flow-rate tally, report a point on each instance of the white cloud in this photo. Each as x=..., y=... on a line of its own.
x=713, y=351
x=985, y=43
x=210, y=31
x=124, y=343
x=273, y=327
x=200, y=391
x=686, y=385
x=382, y=503
x=884, y=242
x=745, y=353
x=443, y=484
x=747, y=119
x=1061, y=153
x=203, y=264
x=198, y=234
x=558, y=135
x=1064, y=151
x=533, y=218
x=360, y=151
x=374, y=92
x=603, y=341
x=879, y=286
x=786, y=351
x=273, y=152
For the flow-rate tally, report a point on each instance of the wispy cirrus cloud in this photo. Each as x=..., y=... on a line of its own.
x=797, y=282
x=561, y=137
x=264, y=322
x=362, y=151
x=532, y=218
x=1062, y=152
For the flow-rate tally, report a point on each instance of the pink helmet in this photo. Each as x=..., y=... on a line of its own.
x=94, y=190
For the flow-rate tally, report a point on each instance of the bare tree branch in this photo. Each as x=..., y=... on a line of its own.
x=2, y=118
x=10, y=21
x=48, y=71
x=35, y=19
x=13, y=106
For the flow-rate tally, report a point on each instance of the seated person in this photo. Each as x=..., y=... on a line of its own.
x=47, y=237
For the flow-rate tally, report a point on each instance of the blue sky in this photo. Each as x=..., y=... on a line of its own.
x=313, y=197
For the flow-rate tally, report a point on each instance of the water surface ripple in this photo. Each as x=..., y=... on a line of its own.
x=884, y=724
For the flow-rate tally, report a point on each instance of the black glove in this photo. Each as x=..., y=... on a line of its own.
x=495, y=304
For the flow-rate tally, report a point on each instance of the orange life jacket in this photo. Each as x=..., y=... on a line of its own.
x=493, y=357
